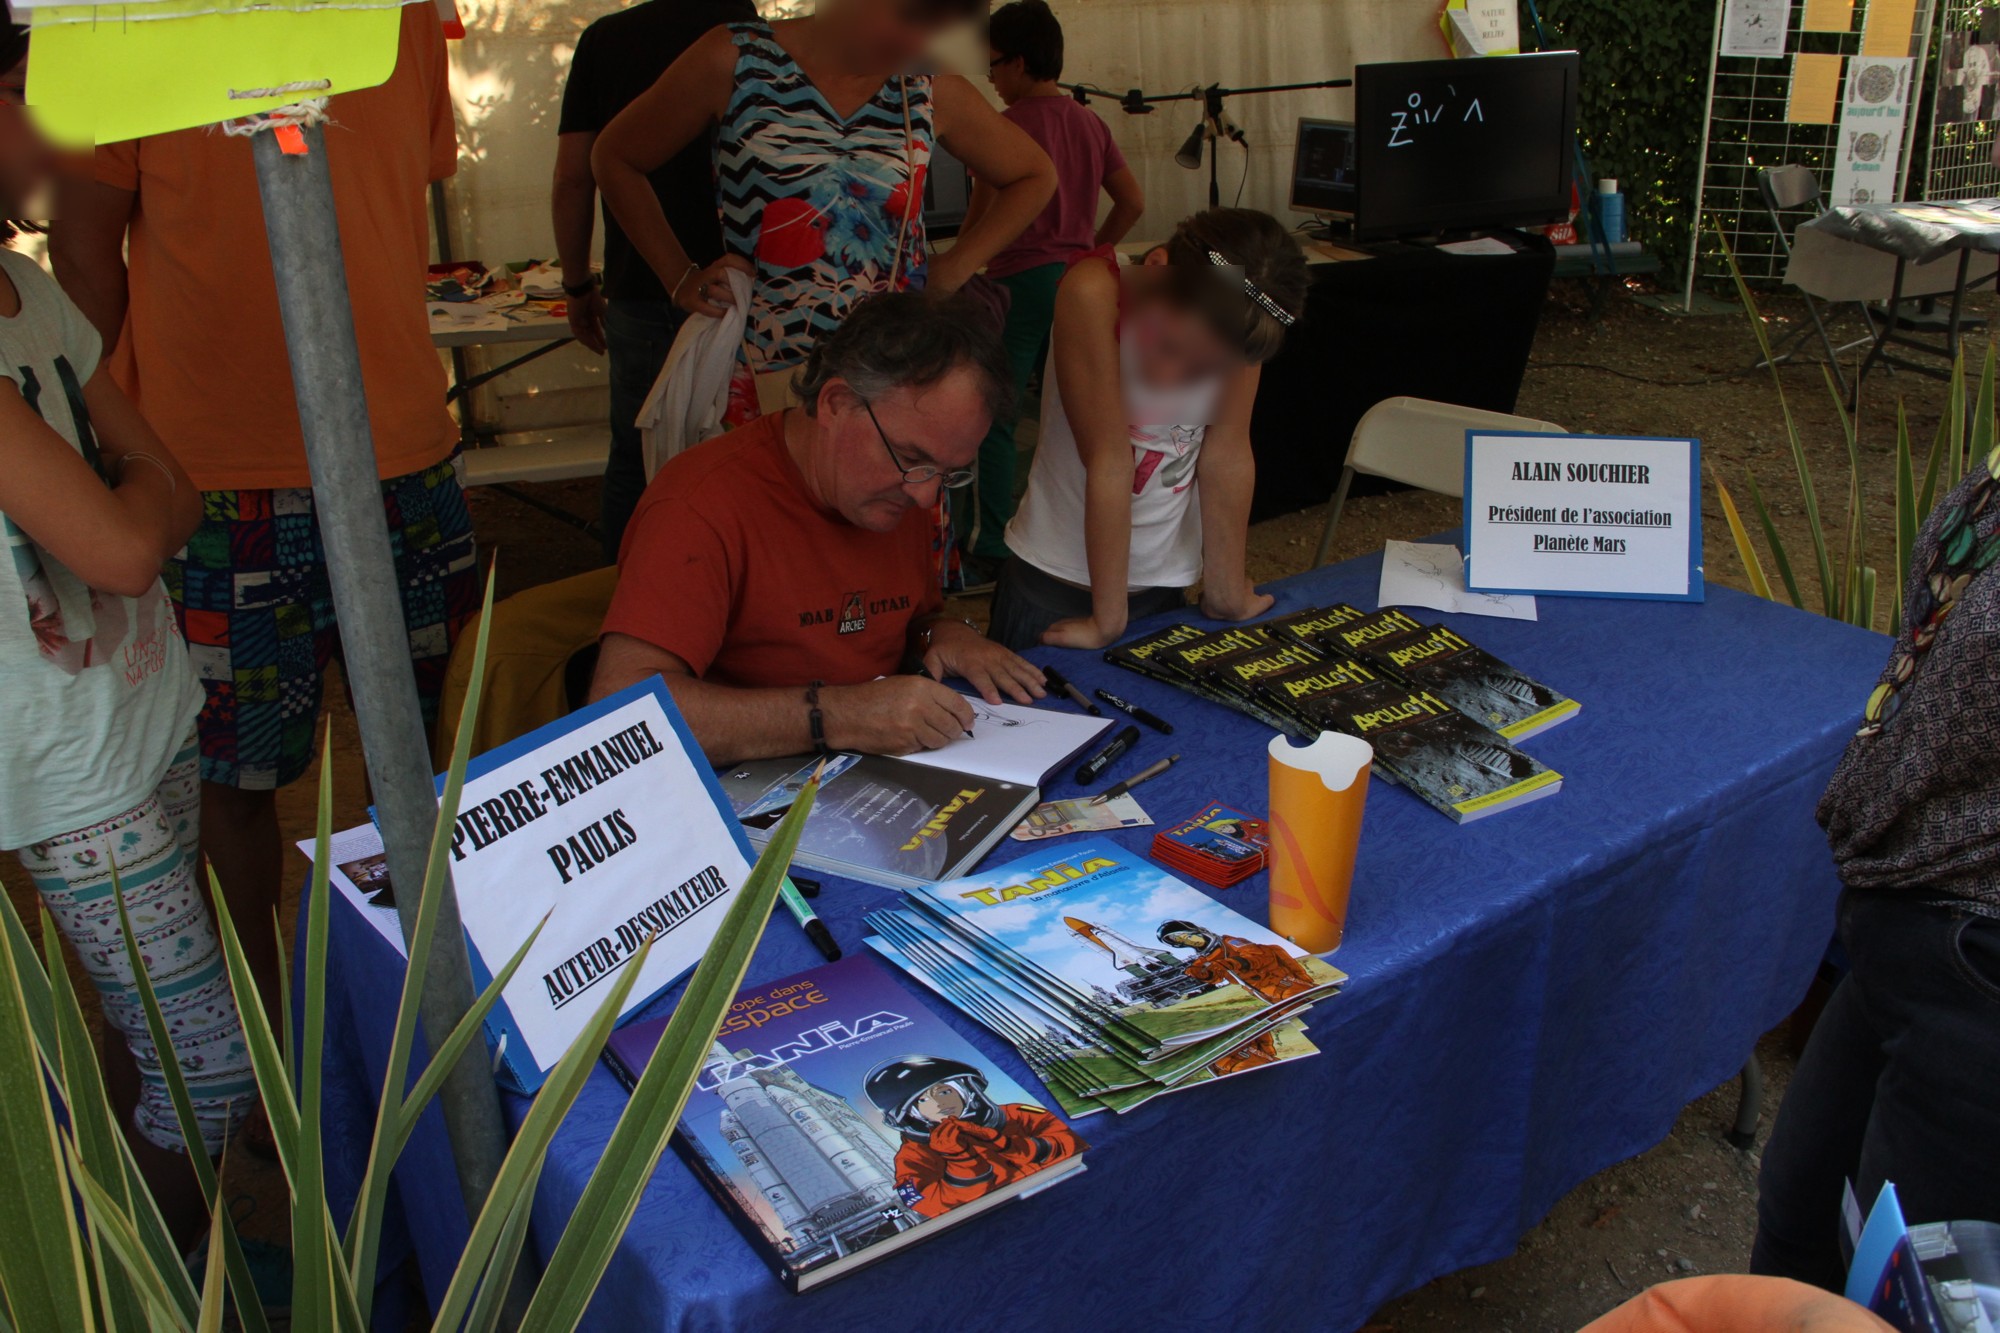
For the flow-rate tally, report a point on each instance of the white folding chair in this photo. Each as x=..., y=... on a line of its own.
x=1419, y=443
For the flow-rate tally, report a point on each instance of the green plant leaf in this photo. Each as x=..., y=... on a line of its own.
x=100, y=1142
x=1829, y=588
x=397, y=1116
x=114, y=1230
x=249, y=1310
x=286, y=1028
x=1772, y=540
x=214, y=1290
x=605, y=1208
x=488, y=1310
x=1753, y=568
x=1907, y=519
x=1982, y=428
x=44, y=1275
x=523, y=1163
x=35, y=995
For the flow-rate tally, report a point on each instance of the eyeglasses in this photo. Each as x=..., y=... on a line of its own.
x=996, y=62
x=924, y=473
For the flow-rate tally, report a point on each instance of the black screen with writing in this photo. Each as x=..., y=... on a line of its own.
x=1452, y=144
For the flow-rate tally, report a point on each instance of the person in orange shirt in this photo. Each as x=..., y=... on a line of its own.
x=779, y=576
x=1265, y=970
x=200, y=349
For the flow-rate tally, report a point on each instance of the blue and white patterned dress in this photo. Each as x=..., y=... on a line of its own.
x=817, y=202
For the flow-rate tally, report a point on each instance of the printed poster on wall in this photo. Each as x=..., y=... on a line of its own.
x=1969, y=72
x=1869, y=150
x=1755, y=28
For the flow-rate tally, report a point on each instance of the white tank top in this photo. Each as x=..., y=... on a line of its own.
x=1166, y=427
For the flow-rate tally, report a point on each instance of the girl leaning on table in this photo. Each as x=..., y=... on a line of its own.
x=1142, y=481
x=97, y=749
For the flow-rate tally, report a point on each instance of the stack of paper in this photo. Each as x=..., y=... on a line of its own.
x=1114, y=980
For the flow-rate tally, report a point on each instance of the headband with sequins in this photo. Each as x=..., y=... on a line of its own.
x=1256, y=293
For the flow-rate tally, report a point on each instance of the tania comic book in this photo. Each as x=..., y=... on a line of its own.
x=1128, y=948
x=838, y=1121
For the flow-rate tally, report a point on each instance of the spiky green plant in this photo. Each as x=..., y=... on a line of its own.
x=87, y=1248
x=1848, y=588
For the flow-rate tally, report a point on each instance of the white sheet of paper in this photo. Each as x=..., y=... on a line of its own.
x=361, y=844
x=1414, y=574
x=1479, y=245
x=1755, y=28
x=610, y=831
x=1591, y=515
x=1012, y=743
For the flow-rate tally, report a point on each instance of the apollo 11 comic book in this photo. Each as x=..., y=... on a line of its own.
x=838, y=1120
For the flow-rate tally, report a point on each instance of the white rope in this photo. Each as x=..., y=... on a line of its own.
x=259, y=94
x=306, y=113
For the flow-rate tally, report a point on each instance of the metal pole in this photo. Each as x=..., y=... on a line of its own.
x=340, y=450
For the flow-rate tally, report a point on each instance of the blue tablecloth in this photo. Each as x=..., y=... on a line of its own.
x=1534, y=998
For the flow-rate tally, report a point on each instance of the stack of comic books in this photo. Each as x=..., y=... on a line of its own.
x=1114, y=980
x=1218, y=845
x=1442, y=713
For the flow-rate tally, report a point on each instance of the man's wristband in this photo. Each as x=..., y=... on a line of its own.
x=928, y=630
x=581, y=289
x=815, y=718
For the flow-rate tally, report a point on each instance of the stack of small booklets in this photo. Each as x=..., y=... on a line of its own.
x=1114, y=980
x=838, y=1121
x=1219, y=845
x=1442, y=713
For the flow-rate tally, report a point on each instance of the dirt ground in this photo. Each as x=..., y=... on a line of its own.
x=1687, y=1205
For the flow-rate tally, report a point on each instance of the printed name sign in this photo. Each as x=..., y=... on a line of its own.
x=610, y=823
x=1583, y=515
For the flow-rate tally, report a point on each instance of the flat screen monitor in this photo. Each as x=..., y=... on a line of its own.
x=1323, y=176
x=947, y=193
x=1449, y=145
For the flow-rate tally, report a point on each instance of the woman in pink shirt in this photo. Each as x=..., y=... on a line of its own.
x=1026, y=59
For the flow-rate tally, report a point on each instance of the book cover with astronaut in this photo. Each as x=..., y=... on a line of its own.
x=1126, y=949
x=838, y=1120
x=1475, y=682
x=1461, y=768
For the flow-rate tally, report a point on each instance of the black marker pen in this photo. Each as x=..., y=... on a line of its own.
x=1056, y=678
x=1095, y=766
x=1132, y=710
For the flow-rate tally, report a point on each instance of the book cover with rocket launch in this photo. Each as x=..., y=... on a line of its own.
x=1130, y=951
x=839, y=1121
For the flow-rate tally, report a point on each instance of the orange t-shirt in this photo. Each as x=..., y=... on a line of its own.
x=731, y=565
x=203, y=348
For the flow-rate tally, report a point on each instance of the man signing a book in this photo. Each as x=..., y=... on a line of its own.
x=780, y=576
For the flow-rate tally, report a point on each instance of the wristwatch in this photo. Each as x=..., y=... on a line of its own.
x=582, y=289
x=929, y=630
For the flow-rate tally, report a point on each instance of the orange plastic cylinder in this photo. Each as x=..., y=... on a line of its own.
x=1318, y=794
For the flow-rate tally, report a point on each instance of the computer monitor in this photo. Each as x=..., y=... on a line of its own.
x=1323, y=176
x=1460, y=144
x=947, y=193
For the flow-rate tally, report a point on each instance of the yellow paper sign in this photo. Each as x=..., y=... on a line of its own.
x=106, y=82
x=1815, y=89
x=1828, y=16
x=1887, y=27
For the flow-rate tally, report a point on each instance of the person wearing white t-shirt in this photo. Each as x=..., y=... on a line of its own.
x=97, y=748
x=1142, y=481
